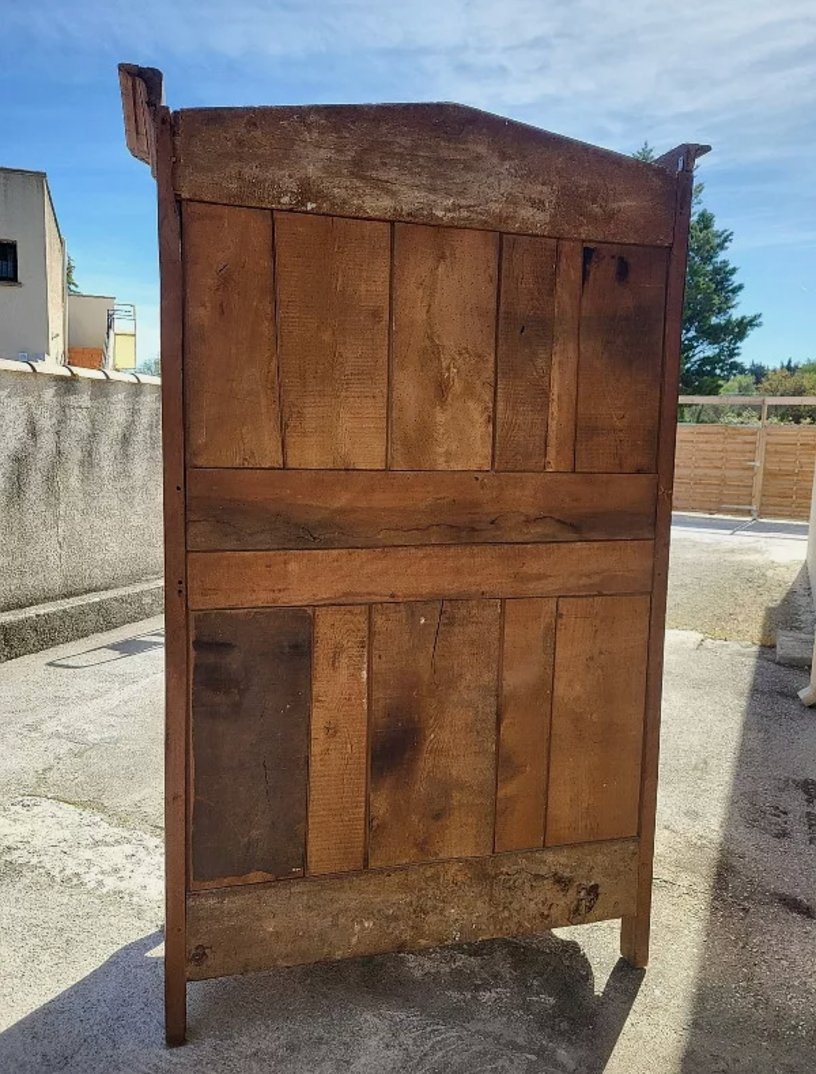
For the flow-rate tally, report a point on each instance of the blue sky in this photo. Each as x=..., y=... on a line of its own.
x=739, y=74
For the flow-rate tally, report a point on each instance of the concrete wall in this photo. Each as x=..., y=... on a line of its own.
x=24, y=305
x=80, y=483
x=55, y=281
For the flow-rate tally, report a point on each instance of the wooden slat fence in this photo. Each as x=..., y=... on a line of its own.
x=759, y=470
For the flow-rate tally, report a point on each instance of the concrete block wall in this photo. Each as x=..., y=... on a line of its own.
x=80, y=482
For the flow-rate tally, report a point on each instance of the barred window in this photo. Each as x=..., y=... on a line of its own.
x=8, y=262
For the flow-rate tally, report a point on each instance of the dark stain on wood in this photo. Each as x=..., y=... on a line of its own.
x=622, y=270
x=589, y=254
x=433, y=730
x=397, y=743
x=620, y=362
x=588, y=895
x=250, y=726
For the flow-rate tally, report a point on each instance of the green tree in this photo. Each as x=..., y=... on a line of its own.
x=740, y=384
x=757, y=371
x=712, y=333
x=800, y=380
x=150, y=367
x=790, y=379
x=70, y=269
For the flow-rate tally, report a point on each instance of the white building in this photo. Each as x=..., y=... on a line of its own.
x=39, y=320
x=33, y=311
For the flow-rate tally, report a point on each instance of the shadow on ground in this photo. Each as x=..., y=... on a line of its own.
x=501, y=1006
x=755, y=992
x=114, y=650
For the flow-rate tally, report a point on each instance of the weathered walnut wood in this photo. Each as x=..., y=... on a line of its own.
x=427, y=382
x=524, y=344
x=245, y=509
x=443, y=348
x=230, y=357
x=598, y=706
x=333, y=286
x=175, y=572
x=338, y=748
x=528, y=642
x=635, y=928
x=564, y=364
x=250, y=730
x=256, y=927
x=434, y=668
x=620, y=366
x=368, y=575
x=423, y=163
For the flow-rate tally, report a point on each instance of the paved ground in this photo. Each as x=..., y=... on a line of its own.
x=739, y=579
x=730, y=989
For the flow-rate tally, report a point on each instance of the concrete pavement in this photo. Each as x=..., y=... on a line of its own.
x=740, y=579
x=731, y=984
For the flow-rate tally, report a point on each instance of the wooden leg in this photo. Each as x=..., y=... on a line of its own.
x=175, y=1007
x=634, y=938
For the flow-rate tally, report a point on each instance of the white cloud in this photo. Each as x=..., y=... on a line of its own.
x=739, y=73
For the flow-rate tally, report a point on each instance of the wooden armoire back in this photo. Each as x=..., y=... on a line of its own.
x=420, y=370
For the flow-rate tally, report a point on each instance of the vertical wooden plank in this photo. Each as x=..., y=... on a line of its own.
x=443, y=365
x=333, y=295
x=250, y=732
x=338, y=749
x=523, y=352
x=619, y=369
x=230, y=357
x=528, y=637
x=635, y=929
x=564, y=371
x=597, y=718
x=433, y=730
x=175, y=590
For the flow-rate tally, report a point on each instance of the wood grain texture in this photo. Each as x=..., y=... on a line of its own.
x=563, y=400
x=333, y=295
x=597, y=718
x=176, y=653
x=635, y=928
x=230, y=359
x=444, y=327
x=245, y=509
x=524, y=346
x=426, y=163
x=241, y=930
x=338, y=750
x=250, y=733
x=528, y=640
x=367, y=575
x=434, y=669
x=619, y=370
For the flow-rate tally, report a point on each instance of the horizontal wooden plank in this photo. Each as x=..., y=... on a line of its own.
x=368, y=575
x=422, y=163
x=752, y=400
x=266, y=509
x=241, y=930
